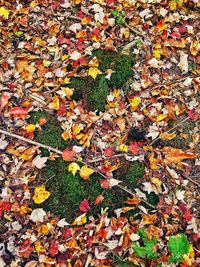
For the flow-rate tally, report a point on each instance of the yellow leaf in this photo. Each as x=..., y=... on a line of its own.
x=94, y=72
x=80, y=220
x=55, y=104
x=40, y=194
x=161, y=117
x=156, y=181
x=4, y=12
x=123, y=148
x=157, y=53
x=167, y=136
x=28, y=153
x=73, y=168
x=76, y=128
x=33, y=4
x=85, y=172
x=46, y=63
x=30, y=128
x=153, y=162
x=64, y=57
x=135, y=102
x=116, y=92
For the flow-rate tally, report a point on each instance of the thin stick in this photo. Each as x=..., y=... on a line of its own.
x=173, y=128
x=31, y=142
x=102, y=159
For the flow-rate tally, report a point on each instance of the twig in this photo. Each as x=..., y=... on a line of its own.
x=31, y=142
x=190, y=179
x=173, y=128
x=102, y=159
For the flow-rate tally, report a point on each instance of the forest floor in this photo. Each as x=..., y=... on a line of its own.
x=99, y=133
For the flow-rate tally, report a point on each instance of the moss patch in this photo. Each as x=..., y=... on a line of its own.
x=94, y=91
x=131, y=173
x=67, y=191
x=50, y=134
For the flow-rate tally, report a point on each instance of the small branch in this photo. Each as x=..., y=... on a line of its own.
x=31, y=142
x=191, y=180
x=173, y=128
x=102, y=159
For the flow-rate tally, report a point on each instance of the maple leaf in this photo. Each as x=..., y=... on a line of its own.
x=38, y=215
x=178, y=246
x=133, y=201
x=174, y=155
x=4, y=12
x=93, y=72
x=135, y=103
x=84, y=206
x=73, y=168
x=85, y=172
x=68, y=155
x=40, y=194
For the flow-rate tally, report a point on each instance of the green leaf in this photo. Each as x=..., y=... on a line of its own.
x=115, y=12
x=147, y=251
x=178, y=245
x=119, y=20
x=19, y=33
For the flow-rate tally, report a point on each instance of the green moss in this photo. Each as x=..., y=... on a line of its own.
x=67, y=191
x=50, y=134
x=120, y=64
x=98, y=94
x=135, y=170
x=93, y=91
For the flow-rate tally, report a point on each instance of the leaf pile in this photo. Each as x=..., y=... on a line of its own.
x=107, y=85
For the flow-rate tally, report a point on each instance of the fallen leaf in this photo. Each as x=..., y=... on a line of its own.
x=85, y=172
x=68, y=155
x=40, y=194
x=99, y=199
x=108, y=152
x=135, y=102
x=4, y=100
x=73, y=168
x=4, y=12
x=37, y=215
x=93, y=72
x=80, y=220
x=18, y=111
x=84, y=206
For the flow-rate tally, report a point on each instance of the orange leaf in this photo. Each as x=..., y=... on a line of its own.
x=133, y=201
x=174, y=155
x=160, y=26
x=99, y=199
x=68, y=155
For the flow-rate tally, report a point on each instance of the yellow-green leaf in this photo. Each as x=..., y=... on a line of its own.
x=4, y=12
x=73, y=168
